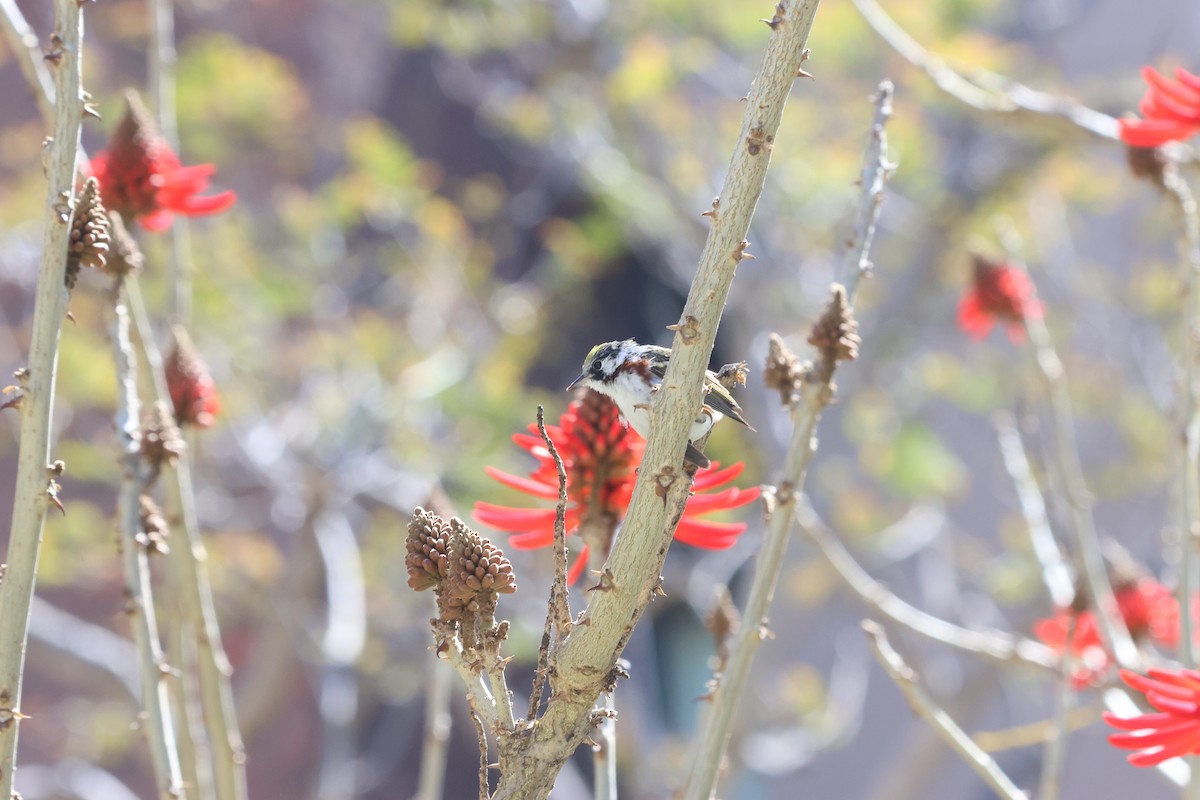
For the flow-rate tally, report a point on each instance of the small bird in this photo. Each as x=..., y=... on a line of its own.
x=630, y=373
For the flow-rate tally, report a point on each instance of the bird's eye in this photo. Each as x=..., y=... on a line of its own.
x=597, y=364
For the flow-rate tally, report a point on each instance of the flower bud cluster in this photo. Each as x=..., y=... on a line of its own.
x=467, y=571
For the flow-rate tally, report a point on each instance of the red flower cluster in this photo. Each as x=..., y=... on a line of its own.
x=140, y=177
x=193, y=392
x=601, y=456
x=1148, y=608
x=1170, y=110
x=999, y=292
x=1174, y=730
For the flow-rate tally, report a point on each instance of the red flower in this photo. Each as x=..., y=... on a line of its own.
x=140, y=177
x=1000, y=292
x=1174, y=730
x=193, y=392
x=601, y=455
x=1148, y=608
x=1171, y=110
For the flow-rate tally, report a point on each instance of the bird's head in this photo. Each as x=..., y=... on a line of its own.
x=604, y=360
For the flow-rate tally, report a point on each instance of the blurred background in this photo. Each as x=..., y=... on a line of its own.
x=441, y=207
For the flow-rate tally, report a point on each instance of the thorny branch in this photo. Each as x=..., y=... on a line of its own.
x=34, y=482
x=558, y=614
x=1078, y=499
x=135, y=548
x=946, y=727
x=805, y=390
x=984, y=91
x=1055, y=572
x=996, y=645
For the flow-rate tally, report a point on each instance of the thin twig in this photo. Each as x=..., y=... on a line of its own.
x=559, y=594
x=1056, y=745
x=216, y=693
x=437, y=732
x=1055, y=572
x=483, y=757
x=1181, y=192
x=558, y=614
x=1078, y=498
x=931, y=712
x=806, y=413
x=875, y=171
x=195, y=758
x=996, y=645
x=604, y=754
x=34, y=484
x=1033, y=733
x=588, y=657
x=156, y=700
x=24, y=41
x=985, y=91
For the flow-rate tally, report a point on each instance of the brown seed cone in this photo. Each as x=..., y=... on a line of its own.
x=88, y=244
x=836, y=332
x=154, y=533
x=477, y=567
x=783, y=371
x=124, y=255
x=428, y=544
x=162, y=441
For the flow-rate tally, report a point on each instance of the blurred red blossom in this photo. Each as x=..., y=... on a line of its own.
x=1170, y=110
x=601, y=455
x=141, y=178
x=193, y=392
x=1148, y=608
x=999, y=292
x=1173, y=730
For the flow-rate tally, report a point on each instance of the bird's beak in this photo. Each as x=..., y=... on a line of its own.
x=573, y=383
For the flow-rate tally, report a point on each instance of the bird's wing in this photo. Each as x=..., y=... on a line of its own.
x=721, y=400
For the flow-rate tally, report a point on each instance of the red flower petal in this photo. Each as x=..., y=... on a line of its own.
x=535, y=488
x=1152, y=132
x=212, y=204
x=712, y=477
x=1138, y=723
x=533, y=540
x=972, y=319
x=1178, y=91
x=1188, y=79
x=578, y=567
x=157, y=220
x=709, y=535
x=513, y=519
x=730, y=498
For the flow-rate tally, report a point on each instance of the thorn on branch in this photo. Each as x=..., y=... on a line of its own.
x=777, y=19
x=55, y=52
x=801, y=72
x=757, y=140
x=715, y=212
x=663, y=482
x=15, y=402
x=740, y=252
x=619, y=670
x=607, y=582
x=688, y=328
